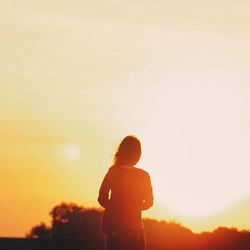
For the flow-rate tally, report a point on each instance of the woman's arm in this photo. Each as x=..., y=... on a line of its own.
x=103, y=197
x=148, y=199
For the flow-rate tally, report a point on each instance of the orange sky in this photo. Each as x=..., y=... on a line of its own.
x=77, y=76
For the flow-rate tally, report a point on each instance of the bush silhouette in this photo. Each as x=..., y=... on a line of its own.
x=40, y=231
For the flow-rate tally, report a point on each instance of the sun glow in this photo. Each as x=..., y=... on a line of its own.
x=72, y=151
x=190, y=148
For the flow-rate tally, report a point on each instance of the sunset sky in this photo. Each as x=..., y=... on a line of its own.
x=77, y=76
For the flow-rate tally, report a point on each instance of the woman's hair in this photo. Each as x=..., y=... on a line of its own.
x=128, y=152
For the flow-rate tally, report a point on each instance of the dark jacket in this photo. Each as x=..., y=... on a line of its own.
x=124, y=193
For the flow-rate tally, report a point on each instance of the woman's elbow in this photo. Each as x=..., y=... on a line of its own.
x=102, y=202
x=148, y=204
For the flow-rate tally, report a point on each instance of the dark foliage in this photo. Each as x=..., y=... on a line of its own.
x=40, y=231
x=75, y=227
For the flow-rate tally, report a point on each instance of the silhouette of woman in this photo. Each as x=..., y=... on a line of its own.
x=124, y=193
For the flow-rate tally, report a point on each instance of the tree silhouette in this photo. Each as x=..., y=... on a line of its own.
x=40, y=231
x=75, y=227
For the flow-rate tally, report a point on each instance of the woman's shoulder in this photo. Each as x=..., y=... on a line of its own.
x=111, y=169
x=142, y=172
x=136, y=170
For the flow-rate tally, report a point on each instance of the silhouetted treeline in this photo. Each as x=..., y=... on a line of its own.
x=75, y=227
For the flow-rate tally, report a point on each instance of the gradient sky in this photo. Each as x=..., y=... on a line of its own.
x=78, y=76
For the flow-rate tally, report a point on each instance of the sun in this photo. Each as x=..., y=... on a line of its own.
x=72, y=151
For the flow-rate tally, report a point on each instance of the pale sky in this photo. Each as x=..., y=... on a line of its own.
x=77, y=76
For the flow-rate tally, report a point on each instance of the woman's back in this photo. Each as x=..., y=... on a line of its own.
x=131, y=192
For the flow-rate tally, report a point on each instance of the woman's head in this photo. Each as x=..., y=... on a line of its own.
x=128, y=152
